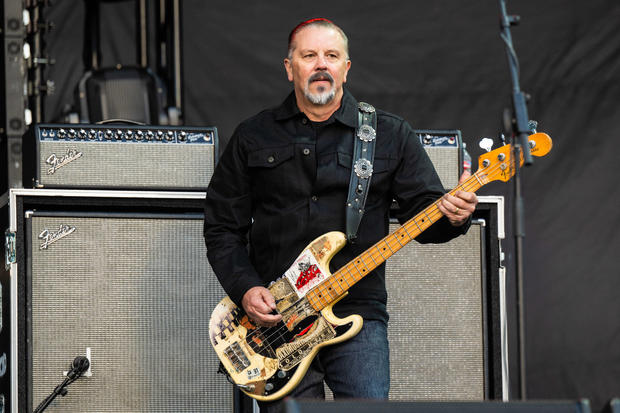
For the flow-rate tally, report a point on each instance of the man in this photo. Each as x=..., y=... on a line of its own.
x=283, y=180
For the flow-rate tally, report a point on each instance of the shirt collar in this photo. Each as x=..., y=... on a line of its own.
x=347, y=113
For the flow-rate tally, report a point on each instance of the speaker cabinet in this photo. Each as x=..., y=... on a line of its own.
x=447, y=315
x=122, y=278
x=437, y=324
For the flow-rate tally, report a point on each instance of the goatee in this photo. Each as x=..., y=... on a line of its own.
x=322, y=96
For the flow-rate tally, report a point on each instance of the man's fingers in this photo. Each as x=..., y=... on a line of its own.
x=462, y=200
x=468, y=197
x=464, y=177
x=268, y=300
x=267, y=320
x=458, y=207
x=261, y=305
x=258, y=303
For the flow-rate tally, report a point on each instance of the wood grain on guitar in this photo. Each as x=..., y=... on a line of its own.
x=268, y=362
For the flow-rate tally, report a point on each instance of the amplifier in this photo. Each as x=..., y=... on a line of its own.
x=445, y=148
x=120, y=156
x=122, y=278
x=447, y=307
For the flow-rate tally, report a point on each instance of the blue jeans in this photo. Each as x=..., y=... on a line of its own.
x=357, y=368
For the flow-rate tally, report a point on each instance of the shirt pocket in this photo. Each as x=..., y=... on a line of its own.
x=274, y=175
x=270, y=157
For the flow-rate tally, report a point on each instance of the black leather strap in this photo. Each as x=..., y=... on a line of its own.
x=361, y=168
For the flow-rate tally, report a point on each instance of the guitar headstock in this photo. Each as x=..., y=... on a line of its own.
x=498, y=164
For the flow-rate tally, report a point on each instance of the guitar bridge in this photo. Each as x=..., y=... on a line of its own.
x=237, y=357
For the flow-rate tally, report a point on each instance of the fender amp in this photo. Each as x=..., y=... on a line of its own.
x=122, y=278
x=114, y=156
x=445, y=148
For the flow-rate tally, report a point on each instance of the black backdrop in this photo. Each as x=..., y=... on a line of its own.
x=441, y=64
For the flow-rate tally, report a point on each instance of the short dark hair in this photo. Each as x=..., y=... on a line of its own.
x=319, y=21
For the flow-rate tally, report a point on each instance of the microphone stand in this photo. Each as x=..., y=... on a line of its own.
x=521, y=129
x=77, y=369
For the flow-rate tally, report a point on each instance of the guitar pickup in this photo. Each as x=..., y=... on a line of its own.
x=237, y=357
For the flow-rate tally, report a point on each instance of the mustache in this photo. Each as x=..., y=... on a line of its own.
x=320, y=76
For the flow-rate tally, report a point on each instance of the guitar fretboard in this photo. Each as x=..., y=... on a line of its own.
x=335, y=286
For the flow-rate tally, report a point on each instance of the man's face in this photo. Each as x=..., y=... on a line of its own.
x=318, y=65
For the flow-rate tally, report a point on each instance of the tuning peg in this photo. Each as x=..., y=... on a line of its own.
x=532, y=125
x=486, y=144
x=502, y=138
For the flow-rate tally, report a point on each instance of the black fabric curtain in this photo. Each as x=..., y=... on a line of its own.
x=441, y=64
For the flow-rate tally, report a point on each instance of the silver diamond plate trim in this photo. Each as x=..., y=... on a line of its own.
x=366, y=107
x=363, y=168
x=366, y=133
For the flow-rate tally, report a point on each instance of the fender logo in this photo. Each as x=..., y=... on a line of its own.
x=50, y=237
x=196, y=137
x=56, y=163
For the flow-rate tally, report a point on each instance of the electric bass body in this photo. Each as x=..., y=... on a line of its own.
x=267, y=363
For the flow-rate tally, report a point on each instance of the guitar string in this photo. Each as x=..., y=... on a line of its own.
x=326, y=288
x=470, y=183
x=434, y=215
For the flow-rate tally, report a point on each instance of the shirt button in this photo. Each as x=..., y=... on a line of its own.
x=315, y=198
x=306, y=151
x=271, y=159
x=304, y=121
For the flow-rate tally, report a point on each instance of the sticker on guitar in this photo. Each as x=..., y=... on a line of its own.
x=305, y=273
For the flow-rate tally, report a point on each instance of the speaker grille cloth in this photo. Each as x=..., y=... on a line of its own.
x=139, y=293
x=436, y=320
x=126, y=98
x=129, y=165
x=446, y=163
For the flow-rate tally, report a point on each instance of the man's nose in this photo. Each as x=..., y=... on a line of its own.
x=321, y=62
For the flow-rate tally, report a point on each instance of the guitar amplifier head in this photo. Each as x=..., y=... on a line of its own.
x=445, y=148
x=123, y=157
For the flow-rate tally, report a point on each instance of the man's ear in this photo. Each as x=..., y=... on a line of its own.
x=288, y=68
x=346, y=71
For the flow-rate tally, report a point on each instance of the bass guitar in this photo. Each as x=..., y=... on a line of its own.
x=268, y=362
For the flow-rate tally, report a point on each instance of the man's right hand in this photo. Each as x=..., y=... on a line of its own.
x=258, y=303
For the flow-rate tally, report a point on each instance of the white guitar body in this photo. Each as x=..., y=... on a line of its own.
x=267, y=363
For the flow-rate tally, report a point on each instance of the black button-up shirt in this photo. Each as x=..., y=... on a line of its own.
x=283, y=180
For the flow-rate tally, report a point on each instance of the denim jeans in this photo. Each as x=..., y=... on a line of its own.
x=357, y=368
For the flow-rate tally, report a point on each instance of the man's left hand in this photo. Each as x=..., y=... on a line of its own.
x=458, y=208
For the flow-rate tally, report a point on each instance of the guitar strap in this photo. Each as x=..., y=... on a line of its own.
x=361, y=168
